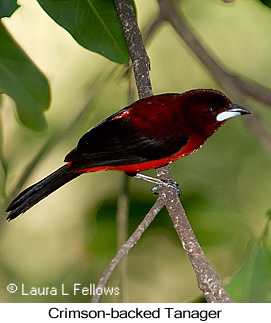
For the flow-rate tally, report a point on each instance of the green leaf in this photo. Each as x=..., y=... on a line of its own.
x=266, y=2
x=23, y=82
x=7, y=7
x=94, y=24
x=253, y=281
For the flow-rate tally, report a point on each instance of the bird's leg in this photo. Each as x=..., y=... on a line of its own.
x=159, y=183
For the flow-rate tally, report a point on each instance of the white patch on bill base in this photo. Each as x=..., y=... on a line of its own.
x=227, y=115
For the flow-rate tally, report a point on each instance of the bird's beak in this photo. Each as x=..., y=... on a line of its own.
x=233, y=111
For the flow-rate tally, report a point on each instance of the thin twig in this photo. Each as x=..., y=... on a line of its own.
x=235, y=85
x=122, y=233
x=123, y=211
x=151, y=29
x=129, y=244
x=169, y=12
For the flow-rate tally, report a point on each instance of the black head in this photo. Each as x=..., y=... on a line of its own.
x=206, y=110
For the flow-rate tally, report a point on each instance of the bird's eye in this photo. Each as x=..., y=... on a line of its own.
x=211, y=110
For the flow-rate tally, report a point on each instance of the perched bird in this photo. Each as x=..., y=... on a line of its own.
x=150, y=133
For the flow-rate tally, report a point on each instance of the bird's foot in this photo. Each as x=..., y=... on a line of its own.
x=167, y=183
x=159, y=183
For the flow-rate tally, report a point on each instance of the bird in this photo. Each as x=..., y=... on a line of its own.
x=150, y=133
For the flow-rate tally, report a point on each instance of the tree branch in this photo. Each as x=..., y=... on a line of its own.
x=139, y=57
x=208, y=279
x=169, y=12
x=122, y=229
x=236, y=86
x=158, y=205
x=151, y=29
x=123, y=211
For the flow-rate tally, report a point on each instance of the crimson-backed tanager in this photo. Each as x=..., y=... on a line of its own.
x=150, y=133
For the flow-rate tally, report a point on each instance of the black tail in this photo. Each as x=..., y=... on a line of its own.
x=35, y=193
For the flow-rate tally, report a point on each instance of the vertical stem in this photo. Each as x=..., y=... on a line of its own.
x=208, y=280
x=123, y=213
x=122, y=231
x=139, y=56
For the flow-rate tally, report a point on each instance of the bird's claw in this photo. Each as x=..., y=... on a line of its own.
x=155, y=189
x=167, y=183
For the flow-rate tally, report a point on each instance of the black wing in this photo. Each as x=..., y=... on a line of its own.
x=115, y=142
